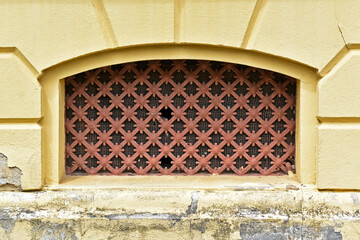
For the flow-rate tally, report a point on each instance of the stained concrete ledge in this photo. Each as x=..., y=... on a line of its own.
x=180, y=214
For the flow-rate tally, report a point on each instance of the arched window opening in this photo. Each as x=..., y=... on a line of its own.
x=179, y=117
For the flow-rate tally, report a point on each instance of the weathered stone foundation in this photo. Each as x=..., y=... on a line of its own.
x=182, y=214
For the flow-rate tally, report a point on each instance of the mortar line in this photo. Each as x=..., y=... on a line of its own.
x=7, y=49
x=105, y=24
x=19, y=121
x=353, y=46
x=337, y=120
x=254, y=22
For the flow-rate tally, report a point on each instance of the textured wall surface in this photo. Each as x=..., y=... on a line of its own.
x=38, y=38
x=238, y=213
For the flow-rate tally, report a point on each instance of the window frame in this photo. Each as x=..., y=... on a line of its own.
x=52, y=81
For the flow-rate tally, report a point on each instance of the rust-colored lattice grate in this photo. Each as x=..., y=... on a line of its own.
x=180, y=117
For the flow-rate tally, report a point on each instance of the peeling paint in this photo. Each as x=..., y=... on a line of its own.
x=6, y=222
x=191, y=210
x=355, y=198
x=278, y=231
x=45, y=230
x=143, y=216
x=9, y=176
x=194, y=203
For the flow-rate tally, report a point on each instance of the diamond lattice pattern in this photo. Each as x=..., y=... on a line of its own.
x=180, y=117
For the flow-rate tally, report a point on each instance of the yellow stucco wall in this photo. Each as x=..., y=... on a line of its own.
x=315, y=41
x=312, y=38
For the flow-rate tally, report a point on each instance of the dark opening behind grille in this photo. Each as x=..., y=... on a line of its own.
x=180, y=117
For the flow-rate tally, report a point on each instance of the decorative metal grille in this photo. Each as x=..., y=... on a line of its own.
x=180, y=117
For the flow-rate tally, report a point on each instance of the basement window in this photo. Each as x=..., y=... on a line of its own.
x=181, y=117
